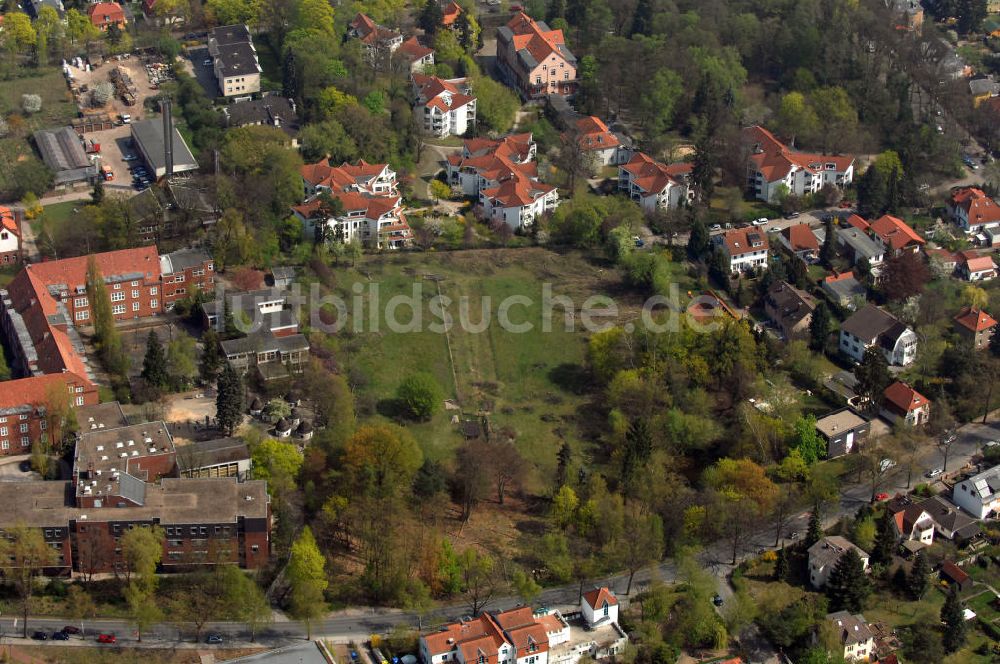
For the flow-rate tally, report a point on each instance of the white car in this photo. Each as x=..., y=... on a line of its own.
x=992, y=443
x=935, y=472
x=760, y=222
x=885, y=464
x=207, y=62
x=715, y=228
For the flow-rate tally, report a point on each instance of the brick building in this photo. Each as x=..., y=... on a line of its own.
x=24, y=403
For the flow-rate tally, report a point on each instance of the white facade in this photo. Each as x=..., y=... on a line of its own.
x=454, y=121
x=979, y=495
x=519, y=216
x=902, y=353
x=9, y=245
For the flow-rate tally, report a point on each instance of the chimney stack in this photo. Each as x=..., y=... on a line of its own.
x=168, y=137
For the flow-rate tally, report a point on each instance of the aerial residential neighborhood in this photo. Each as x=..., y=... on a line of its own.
x=500, y=333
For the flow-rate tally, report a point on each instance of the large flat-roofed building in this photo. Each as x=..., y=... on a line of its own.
x=224, y=457
x=234, y=60
x=147, y=135
x=63, y=152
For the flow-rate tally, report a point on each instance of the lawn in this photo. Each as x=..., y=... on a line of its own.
x=527, y=382
x=57, y=110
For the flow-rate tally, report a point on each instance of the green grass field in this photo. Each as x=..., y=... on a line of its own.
x=524, y=380
x=57, y=110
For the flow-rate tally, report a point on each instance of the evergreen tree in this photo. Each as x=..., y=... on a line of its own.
x=873, y=376
x=953, y=617
x=636, y=451
x=229, y=400
x=430, y=17
x=916, y=582
x=781, y=566
x=871, y=192
x=564, y=458
x=819, y=327
x=995, y=344
x=211, y=358
x=108, y=342
x=815, y=531
x=698, y=241
x=642, y=19
x=848, y=586
x=556, y=9
x=829, y=249
x=705, y=157
x=97, y=195
x=154, y=365
x=229, y=329
x=885, y=540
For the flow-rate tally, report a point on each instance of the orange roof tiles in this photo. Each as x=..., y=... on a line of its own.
x=974, y=263
x=597, y=597
x=142, y=262
x=102, y=13
x=857, y=222
x=653, y=176
x=413, y=50
x=340, y=177
x=975, y=320
x=529, y=36
x=775, y=160
x=895, y=233
x=903, y=398
x=595, y=135
x=801, y=238
x=436, y=90
x=979, y=208
x=8, y=221
x=741, y=241
x=451, y=13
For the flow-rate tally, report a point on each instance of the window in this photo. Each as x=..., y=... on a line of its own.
x=24, y=428
x=22, y=417
x=43, y=424
x=153, y=304
x=81, y=315
x=135, y=306
x=80, y=302
x=79, y=401
x=117, y=297
x=118, y=286
x=605, y=609
x=135, y=294
x=179, y=278
x=3, y=431
x=210, y=268
x=552, y=72
x=24, y=441
x=135, y=283
x=5, y=445
x=152, y=291
x=118, y=309
x=255, y=548
x=180, y=291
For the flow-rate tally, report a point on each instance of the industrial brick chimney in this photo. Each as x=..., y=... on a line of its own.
x=168, y=137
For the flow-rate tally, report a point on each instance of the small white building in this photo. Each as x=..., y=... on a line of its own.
x=902, y=403
x=980, y=494
x=599, y=606
x=823, y=557
x=10, y=237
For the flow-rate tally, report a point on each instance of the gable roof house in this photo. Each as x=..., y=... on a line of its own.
x=596, y=140
x=871, y=326
x=949, y=521
x=910, y=521
x=979, y=495
x=450, y=14
x=858, y=245
x=10, y=237
x=975, y=326
x=105, y=14
x=415, y=55
x=655, y=185
x=902, y=403
x=745, y=249
x=855, y=635
x=800, y=240
x=823, y=557
x=976, y=267
x=519, y=200
x=443, y=107
x=951, y=573
x=533, y=58
x=895, y=235
x=375, y=39
x=790, y=309
x=973, y=210
x=845, y=290
x=485, y=163
x=772, y=164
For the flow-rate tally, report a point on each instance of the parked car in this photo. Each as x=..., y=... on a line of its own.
x=106, y=638
x=207, y=62
x=760, y=222
x=215, y=639
x=24, y=466
x=792, y=215
x=717, y=600
x=715, y=227
x=40, y=636
x=60, y=636
x=934, y=472
x=639, y=242
x=69, y=629
x=129, y=157
x=885, y=464
x=992, y=443
x=881, y=496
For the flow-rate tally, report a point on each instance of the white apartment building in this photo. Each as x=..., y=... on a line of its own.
x=443, y=107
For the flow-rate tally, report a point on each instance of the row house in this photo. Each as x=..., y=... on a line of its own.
x=975, y=327
x=745, y=249
x=895, y=236
x=375, y=39
x=873, y=326
x=525, y=636
x=602, y=147
x=773, y=167
x=534, y=59
x=443, y=107
x=10, y=237
x=25, y=404
x=655, y=185
x=903, y=404
x=973, y=210
x=417, y=57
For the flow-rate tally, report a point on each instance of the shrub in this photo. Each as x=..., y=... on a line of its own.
x=31, y=103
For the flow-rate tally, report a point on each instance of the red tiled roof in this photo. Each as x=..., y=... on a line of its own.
x=653, y=176
x=895, y=233
x=102, y=13
x=978, y=263
x=954, y=572
x=595, y=135
x=975, y=320
x=529, y=36
x=979, y=208
x=775, y=161
x=8, y=221
x=413, y=50
x=143, y=262
x=435, y=90
x=369, y=32
x=35, y=391
x=858, y=222
x=800, y=238
x=835, y=277
x=517, y=191
x=597, y=597
x=739, y=241
x=451, y=13
x=340, y=177
x=943, y=254
x=903, y=398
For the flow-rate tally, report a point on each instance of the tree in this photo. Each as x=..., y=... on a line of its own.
x=953, y=617
x=698, y=240
x=525, y=587
x=142, y=550
x=885, y=540
x=642, y=19
x=278, y=462
x=28, y=555
x=829, y=249
x=819, y=327
x=744, y=494
x=79, y=604
x=143, y=607
x=30, y=175
x=922, y=643
x=781, y=566
x=380, y=460
x=431, y=17
x=873, y=377
x=500, y=110
x=479, y=579
x=641, y=541
x=916, y=582
x=154, y=364
x=31, y=103
x=181, y=360
x=108, y=341
x=904, y=276
x=306, y=572
x=440, y=190
x=97, y=194
x=211, y=358
x=808, y=441
x=814, y=533
x=229, y=400
x=421, y=395
x=848, y=587
x=60, y=416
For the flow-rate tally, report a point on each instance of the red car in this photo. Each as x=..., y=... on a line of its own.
x=107, y=638
x=881, y=496
x=844, y=205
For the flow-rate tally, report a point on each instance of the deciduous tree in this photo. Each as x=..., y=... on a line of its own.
x=26, y=555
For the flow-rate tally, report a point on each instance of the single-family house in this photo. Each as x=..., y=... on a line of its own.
x=375, y=39
x=902, y=403
x=952, y=574
x=982, y=88
x=823, y=557
x=534, y=59
x=942, y=261
x=855, y=635
x=975, y=327
x=443, y=107
x=973, y=210
x=858, y=245
x=790, y=309
x=873, y=326
x=598, y=142
x=599, y=605
x=911, y=522
x=655, y=185
x=416, y=56
x=773, y=167
x=949, y=521
x=745, y=249
x=450, y=14
x=801, y=241
x=103, y=15
x=976, y=267
x=979, y=495
x=844, y=431
x=845, y=290
x=895, y=235
x=10, y=237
